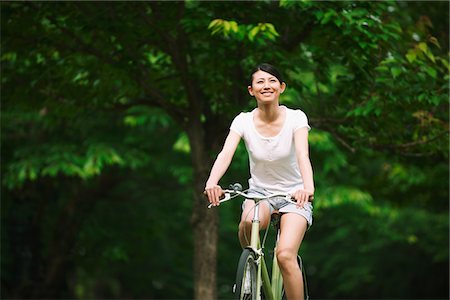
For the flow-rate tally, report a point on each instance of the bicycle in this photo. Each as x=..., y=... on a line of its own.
x=252, y=272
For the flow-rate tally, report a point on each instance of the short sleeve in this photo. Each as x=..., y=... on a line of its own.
x=238, y=124
x=300, y=120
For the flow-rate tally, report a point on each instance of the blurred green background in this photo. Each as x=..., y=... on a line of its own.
x=112, y=113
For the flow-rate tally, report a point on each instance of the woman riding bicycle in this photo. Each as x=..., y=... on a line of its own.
x=276, y=139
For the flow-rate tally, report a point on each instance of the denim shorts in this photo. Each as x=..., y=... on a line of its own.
x=283, y=206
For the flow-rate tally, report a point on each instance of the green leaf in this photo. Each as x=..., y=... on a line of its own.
x=411, y=56
x=395, y=71
x=423, y=46
x=215, y=23
x=234, y=26
x=252, y=34
x=431, y=71
x=330, y=14
x=430, y=55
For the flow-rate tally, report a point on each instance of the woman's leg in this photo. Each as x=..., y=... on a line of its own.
x=292, y=231
x=245, y=226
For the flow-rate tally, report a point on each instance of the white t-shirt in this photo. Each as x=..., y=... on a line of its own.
x=273, y=162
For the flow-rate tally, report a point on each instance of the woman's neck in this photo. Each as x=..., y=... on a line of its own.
x=269, y=113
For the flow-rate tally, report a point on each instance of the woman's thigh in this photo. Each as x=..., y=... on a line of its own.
x=292, y=230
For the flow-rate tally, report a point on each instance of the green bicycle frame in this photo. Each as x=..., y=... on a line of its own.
x=272, y=288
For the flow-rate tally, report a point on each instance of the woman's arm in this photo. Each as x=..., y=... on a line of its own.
x=302, y=153
x=223, y=160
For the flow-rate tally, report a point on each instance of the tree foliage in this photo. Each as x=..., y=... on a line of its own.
x=112, y=113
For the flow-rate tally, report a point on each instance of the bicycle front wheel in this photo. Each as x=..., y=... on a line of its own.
x=246, y=276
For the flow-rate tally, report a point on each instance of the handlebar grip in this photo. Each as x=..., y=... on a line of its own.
x=310, y=199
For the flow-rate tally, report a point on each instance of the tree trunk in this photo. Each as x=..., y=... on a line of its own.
x=204, y=221
x=205, y=252
x=59, y=251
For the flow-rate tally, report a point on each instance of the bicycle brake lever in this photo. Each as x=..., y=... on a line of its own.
x=227, y=196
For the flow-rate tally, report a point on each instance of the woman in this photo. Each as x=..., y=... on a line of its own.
x=276, y=139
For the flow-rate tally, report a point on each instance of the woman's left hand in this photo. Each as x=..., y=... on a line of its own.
x=302, y=197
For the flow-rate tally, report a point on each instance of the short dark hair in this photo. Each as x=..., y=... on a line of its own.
x=269, y=69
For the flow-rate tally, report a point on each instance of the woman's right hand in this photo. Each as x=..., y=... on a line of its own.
x=213, y=192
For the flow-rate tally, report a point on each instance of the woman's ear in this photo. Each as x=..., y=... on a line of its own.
x=283, y=87
x=250, y=91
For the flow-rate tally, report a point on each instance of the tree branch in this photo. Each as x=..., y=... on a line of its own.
x=411, y=144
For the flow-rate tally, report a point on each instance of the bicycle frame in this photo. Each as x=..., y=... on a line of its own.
x=272, y=288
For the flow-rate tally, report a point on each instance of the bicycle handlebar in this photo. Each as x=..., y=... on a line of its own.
x=236, y=191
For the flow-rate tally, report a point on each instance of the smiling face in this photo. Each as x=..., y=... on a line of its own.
x=266, y=87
